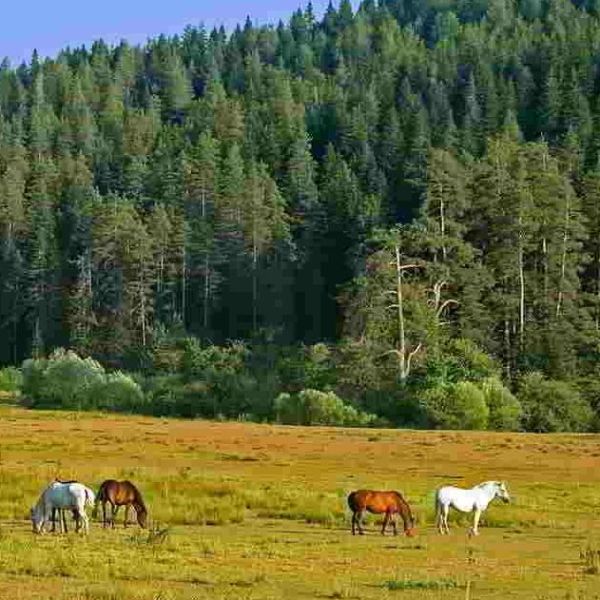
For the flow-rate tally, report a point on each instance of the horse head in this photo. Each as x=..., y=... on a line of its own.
x=36, y=520
x=142, y=517
x=502, y=491
x=410, y=524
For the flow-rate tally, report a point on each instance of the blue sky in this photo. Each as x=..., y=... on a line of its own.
x=50, y=25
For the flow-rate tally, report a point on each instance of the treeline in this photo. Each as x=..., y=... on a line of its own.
x=399, y=181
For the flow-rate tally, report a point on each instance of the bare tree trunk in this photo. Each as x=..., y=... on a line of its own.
x=143, y=309
x=443, y=222
x=507, y=350
x=563, y=261
x=404, y=356
x=206, y=291
x=598, y=289
x=521, y=286
x=400, y=308
x=254, y=281
x=545, y=259
x=206, y=263
x=183, y=284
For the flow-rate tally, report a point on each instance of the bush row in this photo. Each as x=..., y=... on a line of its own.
x=462, y=392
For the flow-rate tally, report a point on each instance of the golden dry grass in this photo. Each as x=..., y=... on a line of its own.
x=257, y=511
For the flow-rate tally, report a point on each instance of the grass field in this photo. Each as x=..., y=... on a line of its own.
x=256, y=511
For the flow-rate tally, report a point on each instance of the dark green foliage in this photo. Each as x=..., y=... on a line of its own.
x=11, y=380
x=312, y=407
x=66, y=381
x=459, y=405
x=255, y=187
x=552, y=405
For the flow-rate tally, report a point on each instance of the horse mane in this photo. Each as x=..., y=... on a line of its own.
x=137, y=497
x=405, y=506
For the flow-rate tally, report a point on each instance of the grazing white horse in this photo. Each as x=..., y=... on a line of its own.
x=73, y=496
x=476, y=499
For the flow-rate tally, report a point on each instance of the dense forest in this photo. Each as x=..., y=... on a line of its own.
x=399, y=204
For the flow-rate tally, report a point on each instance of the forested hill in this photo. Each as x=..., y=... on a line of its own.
x=266, y=184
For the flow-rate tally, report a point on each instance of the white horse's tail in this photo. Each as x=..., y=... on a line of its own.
x=89, y=496
x=437, y=506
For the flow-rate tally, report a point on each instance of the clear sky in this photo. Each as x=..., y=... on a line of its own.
x=50, y=25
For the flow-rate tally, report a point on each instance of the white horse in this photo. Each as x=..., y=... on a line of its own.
x=476, y=499
x=72, y=496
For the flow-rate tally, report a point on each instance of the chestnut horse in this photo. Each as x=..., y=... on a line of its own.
x=391, y=503
x=120, y=493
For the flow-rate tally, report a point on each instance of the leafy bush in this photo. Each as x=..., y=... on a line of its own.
x=313, y=407
x=310, y=367
x=221, y=374
x=552, y=406
x=459, y=405
x=11, y=380
x=457, y=360
x=118, y=392
x=61, y=381
x=505, y=409
x=65, y=380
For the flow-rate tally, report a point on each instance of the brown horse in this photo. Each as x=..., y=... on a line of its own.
x=120, y=493
x=388, y=503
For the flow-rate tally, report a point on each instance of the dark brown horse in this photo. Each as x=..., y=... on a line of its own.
x=388, y=503
x=120, y=493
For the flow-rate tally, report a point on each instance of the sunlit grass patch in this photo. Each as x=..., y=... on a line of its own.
x=244, y=511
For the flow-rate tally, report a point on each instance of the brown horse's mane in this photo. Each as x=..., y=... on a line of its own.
x=138, y=501
x=406, y=507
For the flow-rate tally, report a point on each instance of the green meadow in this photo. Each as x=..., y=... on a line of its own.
x=258, y=511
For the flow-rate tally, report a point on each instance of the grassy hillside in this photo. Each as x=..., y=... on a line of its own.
x=256, y=511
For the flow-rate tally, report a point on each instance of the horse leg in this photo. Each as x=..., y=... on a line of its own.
x=445, y=511
x=83, y=517
x=104, y=521
x=64, y=521
x=353, y=523
x=359, y=518
x=386, y=520
x=476, y=517
x=394, y=524
x=115, y=510
x=438, y=517
x=126, y=515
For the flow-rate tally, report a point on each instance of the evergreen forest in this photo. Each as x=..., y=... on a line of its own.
x=385, y=215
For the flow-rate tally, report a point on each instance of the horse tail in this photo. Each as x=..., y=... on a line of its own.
x=352, y=501
x=437, y=506
x=100, y=497
x=89, y=496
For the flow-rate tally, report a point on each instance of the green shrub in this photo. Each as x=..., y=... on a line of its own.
x=118, y=392
x=505, y=409
x=65, y=380
x=310, y=367
x=456, y=406
x=313, y=407
x=11, y=380
x=552, y=406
